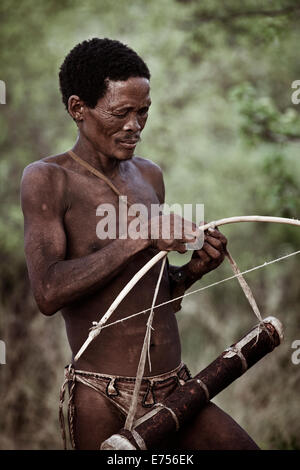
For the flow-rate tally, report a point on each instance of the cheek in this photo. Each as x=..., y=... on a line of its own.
x=143, y=121
x=107, y=127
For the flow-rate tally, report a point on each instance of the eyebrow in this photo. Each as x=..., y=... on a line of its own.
x=126, y=106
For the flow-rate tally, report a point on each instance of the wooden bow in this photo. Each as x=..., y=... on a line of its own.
x=96, y=329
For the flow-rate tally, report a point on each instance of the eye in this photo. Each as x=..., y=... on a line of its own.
x=121, y=115
x=144, y=110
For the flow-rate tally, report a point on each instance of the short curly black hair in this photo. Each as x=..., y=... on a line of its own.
x=87, y=66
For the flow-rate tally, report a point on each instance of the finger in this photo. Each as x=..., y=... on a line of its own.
x=177, y=245
x=187, y=238
x=203, y=256
x=196, y=230
x=216, y=234
x=215, y=242
x=191, y=233
x=183, y=226
x=211, y=251
x=180, y=248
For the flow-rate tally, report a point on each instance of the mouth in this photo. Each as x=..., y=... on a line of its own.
x=129, y=144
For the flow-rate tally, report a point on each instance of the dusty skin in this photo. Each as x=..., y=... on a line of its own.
x=73, y=271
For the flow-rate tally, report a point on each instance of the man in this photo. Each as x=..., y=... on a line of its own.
x=105, y=88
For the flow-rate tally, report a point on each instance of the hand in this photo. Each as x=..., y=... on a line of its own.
x=171, y=232
x=210, y=256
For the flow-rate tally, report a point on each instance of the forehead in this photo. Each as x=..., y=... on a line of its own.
x=134, y=91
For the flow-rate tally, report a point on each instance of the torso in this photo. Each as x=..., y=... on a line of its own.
x=117, y=349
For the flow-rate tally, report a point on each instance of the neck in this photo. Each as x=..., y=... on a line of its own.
x=85, y=150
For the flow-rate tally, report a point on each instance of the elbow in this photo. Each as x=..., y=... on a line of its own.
x=46, y=303
x=46, y=309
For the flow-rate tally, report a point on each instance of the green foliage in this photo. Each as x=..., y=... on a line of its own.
x=246, y=25
x=282, y=191
x=224, y=130
x=261, y=119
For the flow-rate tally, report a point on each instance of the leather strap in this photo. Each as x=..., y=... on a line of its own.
x=95, y=172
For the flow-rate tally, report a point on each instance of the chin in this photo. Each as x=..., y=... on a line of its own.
x=124, y=155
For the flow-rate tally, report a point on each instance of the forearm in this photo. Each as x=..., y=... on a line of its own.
x=68, y=280
x=180, y=280
x=181, y=275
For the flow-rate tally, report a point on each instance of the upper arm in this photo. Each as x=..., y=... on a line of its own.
x=42, y=205
x=159, y=184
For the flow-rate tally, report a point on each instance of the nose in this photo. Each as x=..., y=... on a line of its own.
x=132, y=124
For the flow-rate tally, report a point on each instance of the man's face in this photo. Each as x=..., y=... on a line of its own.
x=115, y=124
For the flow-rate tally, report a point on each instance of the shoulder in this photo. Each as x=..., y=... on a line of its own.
x=153, y=174
x=43, y=179
x=148, y=166
x=150, y=170
x=43, y=173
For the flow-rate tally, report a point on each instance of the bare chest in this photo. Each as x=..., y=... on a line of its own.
x=93, y=209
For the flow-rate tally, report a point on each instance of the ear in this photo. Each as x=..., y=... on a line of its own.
x=76, y=108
